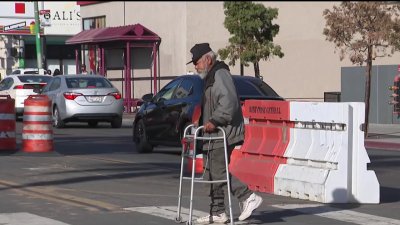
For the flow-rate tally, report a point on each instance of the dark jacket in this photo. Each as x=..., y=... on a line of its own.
x=221, y=106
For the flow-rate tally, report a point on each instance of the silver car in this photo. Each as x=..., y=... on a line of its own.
x=84, y=98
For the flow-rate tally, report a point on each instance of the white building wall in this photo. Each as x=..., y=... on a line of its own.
x=309, y=68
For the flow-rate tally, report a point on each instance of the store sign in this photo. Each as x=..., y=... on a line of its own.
x=45, y=18
x=16, y=17
x=65, y=18
x=14, y=26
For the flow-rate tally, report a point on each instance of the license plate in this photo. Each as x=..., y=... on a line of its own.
x=94, y=98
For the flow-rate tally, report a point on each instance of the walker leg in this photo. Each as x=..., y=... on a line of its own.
x=178, y=216
x=228, y=182
x=191, y=188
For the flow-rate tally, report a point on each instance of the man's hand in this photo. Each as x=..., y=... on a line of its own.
x=209, y=127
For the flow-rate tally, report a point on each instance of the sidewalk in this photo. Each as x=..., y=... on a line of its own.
x=383, y=136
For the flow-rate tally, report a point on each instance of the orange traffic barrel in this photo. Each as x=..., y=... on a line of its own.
x=198, y=166
x=37, y=131
x=7, y=123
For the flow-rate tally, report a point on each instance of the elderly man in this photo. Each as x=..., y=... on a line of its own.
x=221, y=107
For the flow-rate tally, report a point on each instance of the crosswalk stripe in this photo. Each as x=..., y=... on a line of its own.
x=26, y=218
x=167, y=212
x=171, y=212
x=339, y=214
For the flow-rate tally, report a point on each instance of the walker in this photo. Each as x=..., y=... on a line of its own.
x=187, y=138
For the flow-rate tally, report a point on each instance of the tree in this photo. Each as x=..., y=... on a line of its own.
x=364, y=31
x=252, y=34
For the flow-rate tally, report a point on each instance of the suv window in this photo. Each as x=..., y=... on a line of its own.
x=34, y=79
x=184, y=89
x=167, y=92
x=253, y=87
x=6, y=84
x=28, y=71
x=16, y=72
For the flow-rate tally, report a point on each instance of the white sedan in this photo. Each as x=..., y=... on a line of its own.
x=19, y=87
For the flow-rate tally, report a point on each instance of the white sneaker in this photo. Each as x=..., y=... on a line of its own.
x=221, y=218
x=249, y=205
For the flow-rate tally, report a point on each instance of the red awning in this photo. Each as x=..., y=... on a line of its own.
x=135, y=32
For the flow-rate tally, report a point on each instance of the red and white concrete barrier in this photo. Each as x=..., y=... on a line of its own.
x=307, y=150
x=7, y=123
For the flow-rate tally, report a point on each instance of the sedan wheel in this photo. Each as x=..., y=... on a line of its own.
x=57, y=122
x=116, y=122
x=92, y=123
x=140, y=138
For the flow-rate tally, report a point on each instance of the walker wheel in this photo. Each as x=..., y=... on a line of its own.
x=178, y=219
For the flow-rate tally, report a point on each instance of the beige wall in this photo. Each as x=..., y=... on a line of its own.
x=309, y=68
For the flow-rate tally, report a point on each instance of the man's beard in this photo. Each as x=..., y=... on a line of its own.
x=204, y=73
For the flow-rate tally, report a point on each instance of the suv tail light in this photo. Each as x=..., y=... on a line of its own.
x=116, y=95
x=71, y=95
x=19, y=87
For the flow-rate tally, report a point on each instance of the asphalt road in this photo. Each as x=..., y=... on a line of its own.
x=95, y=176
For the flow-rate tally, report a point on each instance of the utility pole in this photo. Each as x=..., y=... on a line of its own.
x=37, y=35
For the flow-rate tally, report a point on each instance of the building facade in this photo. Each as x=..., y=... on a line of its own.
x=59, y=21
x=309, y=68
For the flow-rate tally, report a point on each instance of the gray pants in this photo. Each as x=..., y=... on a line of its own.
x=215, y=170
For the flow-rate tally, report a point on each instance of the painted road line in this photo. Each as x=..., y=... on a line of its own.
x=171, y=212
x=166, y=212
x=339, y=214
x=27, y=218
x=51, y=194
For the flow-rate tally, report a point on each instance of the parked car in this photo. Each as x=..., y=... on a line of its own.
x=19, y=87
x=162, y=118
x=28, y=71
x=84, y=98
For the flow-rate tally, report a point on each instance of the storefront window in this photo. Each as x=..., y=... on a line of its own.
x=90, y=53
x=94, y=22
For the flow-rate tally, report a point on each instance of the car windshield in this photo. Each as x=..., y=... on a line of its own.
x=34, y=79
x=87, y=82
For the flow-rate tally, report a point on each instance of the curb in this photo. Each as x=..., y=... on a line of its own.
x=382, y=145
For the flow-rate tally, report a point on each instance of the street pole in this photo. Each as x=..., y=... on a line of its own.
x=37, y=35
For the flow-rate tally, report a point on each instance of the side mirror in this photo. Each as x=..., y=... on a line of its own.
x=147, y=97
x=139, y=103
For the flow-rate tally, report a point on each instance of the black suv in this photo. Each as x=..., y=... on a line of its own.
x=162, y=118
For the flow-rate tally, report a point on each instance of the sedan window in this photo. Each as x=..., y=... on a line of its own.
x=88, y=82
x=55, y=84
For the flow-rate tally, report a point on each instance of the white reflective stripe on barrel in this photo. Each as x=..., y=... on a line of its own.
x=37, y=117
x=37, y=127
x=34, y=108
x=7, y=116
x=37, y=136
x=5, y=134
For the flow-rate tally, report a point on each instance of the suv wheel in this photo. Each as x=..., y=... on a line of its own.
x=140, y=138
